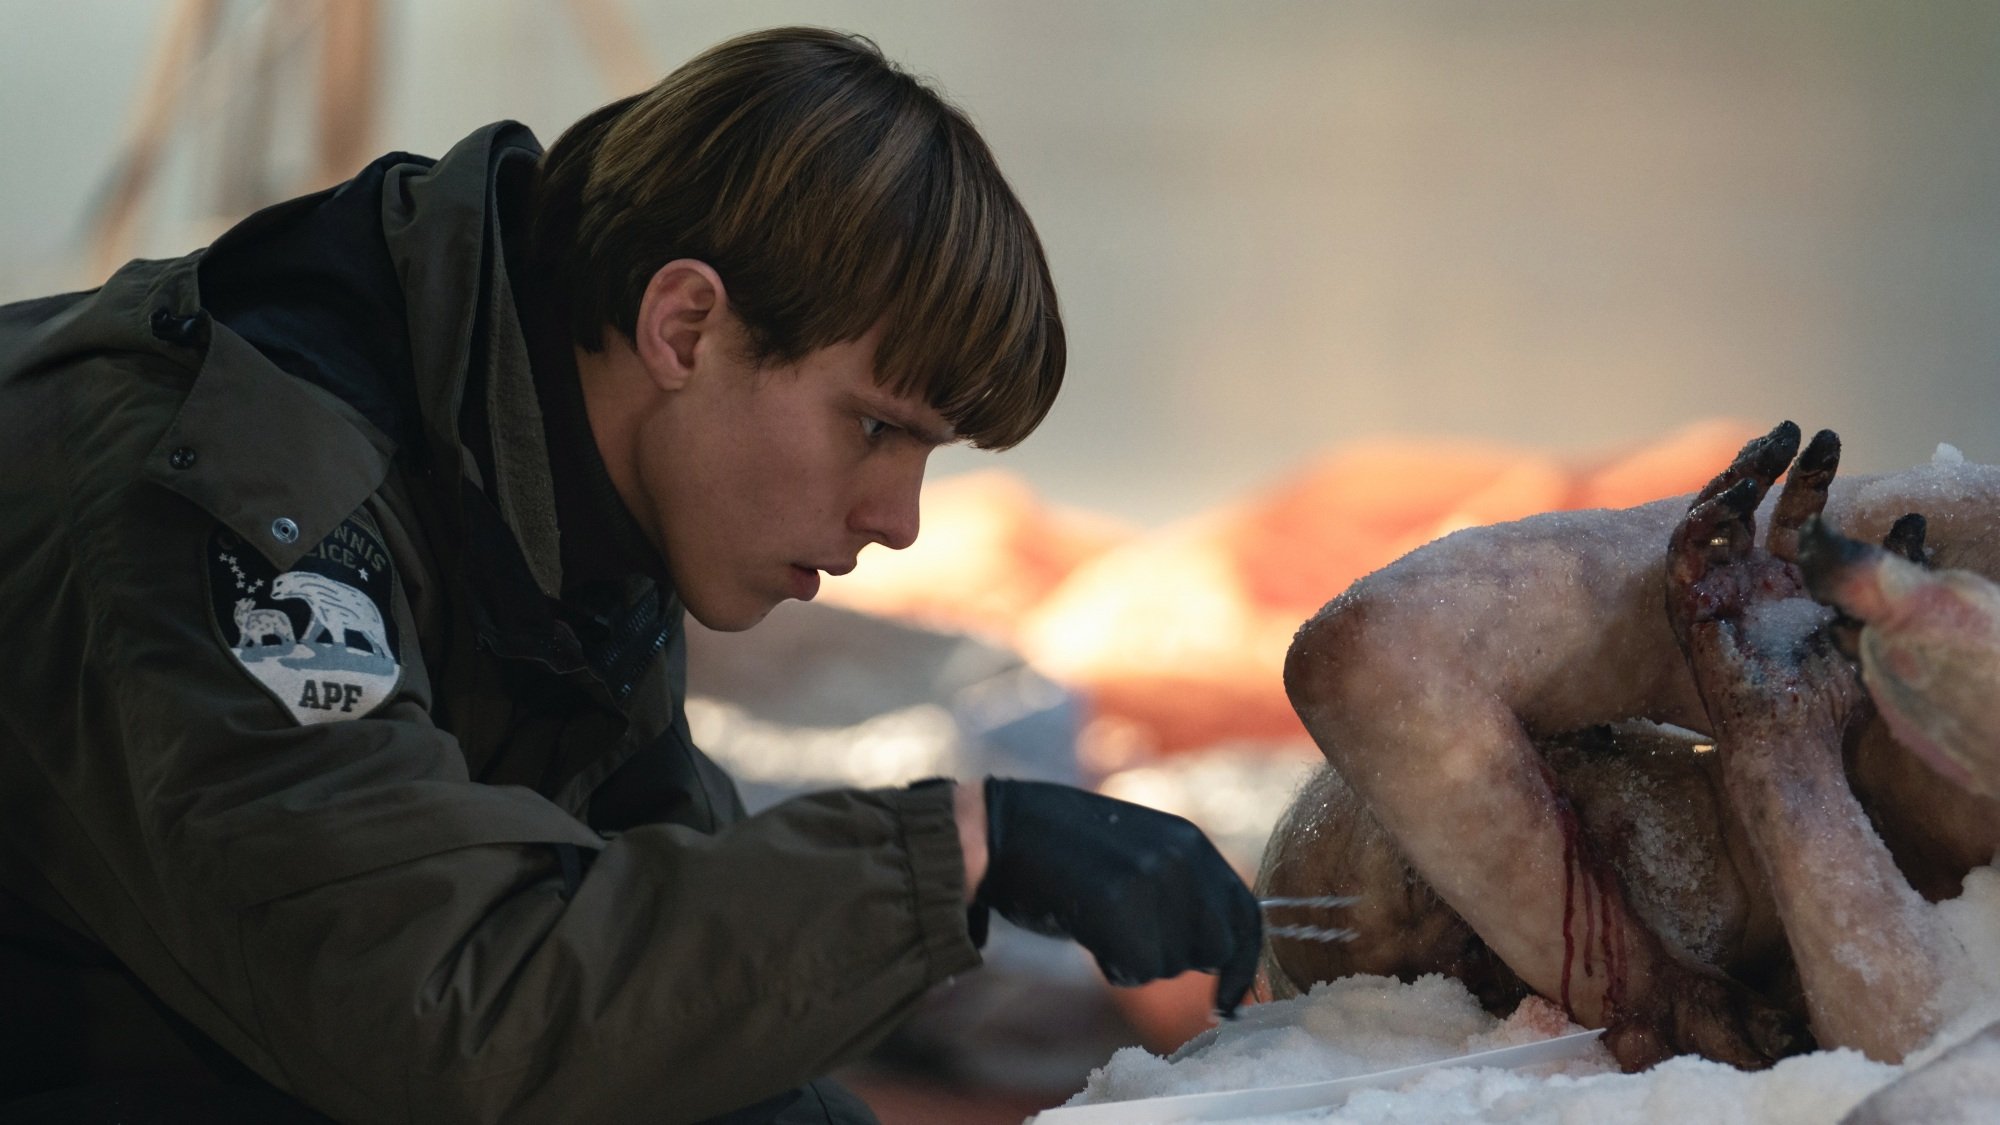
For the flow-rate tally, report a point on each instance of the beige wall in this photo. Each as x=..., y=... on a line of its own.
x=1280, y=225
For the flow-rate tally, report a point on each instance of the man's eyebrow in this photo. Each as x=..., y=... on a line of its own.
x=902, y=417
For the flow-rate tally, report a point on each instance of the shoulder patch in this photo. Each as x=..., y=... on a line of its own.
x=319, y=637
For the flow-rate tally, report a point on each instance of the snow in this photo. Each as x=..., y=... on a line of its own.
x=1781, y=627
x=1361, y=1024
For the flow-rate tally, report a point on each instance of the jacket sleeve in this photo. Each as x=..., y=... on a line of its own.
x=341, y=907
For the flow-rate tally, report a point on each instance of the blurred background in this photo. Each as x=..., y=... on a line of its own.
x=1275, y=225
x=1338, y=278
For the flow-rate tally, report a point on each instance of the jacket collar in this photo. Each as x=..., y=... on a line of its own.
x=440, y=222
x=244, y=469
x=443, y=228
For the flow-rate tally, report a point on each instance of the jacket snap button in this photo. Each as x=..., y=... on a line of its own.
x=182, y=458
x=284, y=530
x=184, y=330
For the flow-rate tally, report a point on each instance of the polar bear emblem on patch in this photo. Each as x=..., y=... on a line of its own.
x=256, y=627
x=338, y=610
x=319, y=638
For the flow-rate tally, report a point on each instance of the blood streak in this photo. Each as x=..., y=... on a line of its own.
x=1569, y=887
x=1587, y=888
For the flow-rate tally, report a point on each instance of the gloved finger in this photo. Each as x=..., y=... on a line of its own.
x=1226, y=915
x=1134, y=935
x=1121, y=976
x=1129, y=968
x=1239, y=966
x=1804, y=494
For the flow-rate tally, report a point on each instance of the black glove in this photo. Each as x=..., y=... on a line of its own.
x=1141, y=889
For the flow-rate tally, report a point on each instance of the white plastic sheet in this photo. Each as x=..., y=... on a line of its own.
x=1228, y=1105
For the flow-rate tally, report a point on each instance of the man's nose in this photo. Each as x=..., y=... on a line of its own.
x=889, y=513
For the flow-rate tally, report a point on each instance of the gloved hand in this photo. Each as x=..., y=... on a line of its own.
x=1143, y=890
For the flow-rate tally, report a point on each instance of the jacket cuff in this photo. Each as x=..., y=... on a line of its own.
x=937, y=878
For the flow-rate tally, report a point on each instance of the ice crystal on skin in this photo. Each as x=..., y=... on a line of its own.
x=1780, y=628
x=1948, y=483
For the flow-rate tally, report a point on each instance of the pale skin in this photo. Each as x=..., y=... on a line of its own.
x=1930, y=654
x=1428, y=684
x=750, y=478
x=1930, y=660
x=969, y=803
x=1872, y=955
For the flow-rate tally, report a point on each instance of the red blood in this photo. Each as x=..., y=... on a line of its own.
x=1569, y=882
x=1586, y=875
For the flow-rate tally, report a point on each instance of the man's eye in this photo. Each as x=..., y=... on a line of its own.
x=873, y=428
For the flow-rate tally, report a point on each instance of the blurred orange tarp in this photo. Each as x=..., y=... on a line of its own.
x=988, y=553
x=1179, y=635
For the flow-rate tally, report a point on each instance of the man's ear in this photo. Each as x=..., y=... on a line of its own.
x=680, y=317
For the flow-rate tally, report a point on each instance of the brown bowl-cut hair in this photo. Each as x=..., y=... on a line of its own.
x=832, y=192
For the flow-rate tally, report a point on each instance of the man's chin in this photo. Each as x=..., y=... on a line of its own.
x=729, y=619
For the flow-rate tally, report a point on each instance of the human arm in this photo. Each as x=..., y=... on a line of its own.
x=1872, y=955
x=341, y=907
x=1427, y=686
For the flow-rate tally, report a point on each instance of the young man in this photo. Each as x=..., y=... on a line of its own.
x=349, y=757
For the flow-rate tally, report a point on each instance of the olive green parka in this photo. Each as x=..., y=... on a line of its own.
x=409, y=902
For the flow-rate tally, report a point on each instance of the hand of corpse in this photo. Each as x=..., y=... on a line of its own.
x=1144, y=891
x=1872, y=955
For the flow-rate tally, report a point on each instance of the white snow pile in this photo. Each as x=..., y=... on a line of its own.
x=1360, y=1025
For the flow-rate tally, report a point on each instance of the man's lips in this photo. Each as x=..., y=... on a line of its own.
x=805, y=582
x=805, y=577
